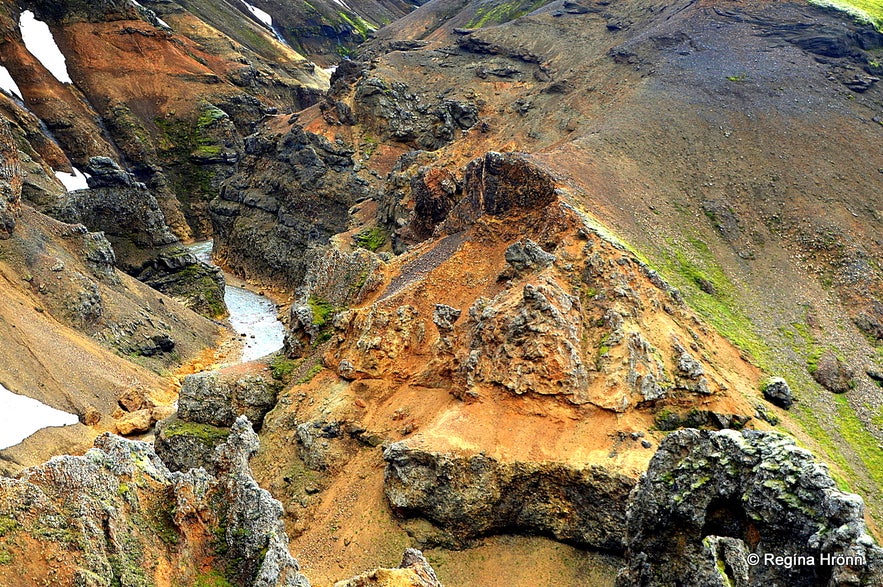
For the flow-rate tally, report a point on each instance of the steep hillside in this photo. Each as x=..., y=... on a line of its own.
x=734, y=148
x=559, y=278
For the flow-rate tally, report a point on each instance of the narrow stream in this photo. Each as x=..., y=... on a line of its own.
x=251, y=315
x=21, y=416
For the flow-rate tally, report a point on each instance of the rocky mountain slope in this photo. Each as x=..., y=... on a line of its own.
x=529, y=250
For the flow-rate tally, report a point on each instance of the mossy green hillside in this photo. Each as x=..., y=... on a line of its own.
x=371, y=238
x=692, y=268
x=500, y=12
x=865, y=10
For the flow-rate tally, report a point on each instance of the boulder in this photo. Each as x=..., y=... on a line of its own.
x=712, y=501
x=777, y=391
x=134, y=422
x=217, y=398
x=527, y=255
x=832, y=374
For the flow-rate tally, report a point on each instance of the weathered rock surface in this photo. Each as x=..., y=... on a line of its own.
x=292, y=193
x=414, y=571
x=476, y=495
x=10, y=181
x=398, y=113
x=709, y=499
x=498, y=183
x=335, y=280
x=528, y=342
x=208, y=405
x=832, y=374
x=124, y=209
x=777, y=391
x=218, y=398
x=179, y=274
x=120, y=517
x=183, y=446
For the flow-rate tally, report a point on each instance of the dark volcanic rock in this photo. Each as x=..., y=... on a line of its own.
x=778, y=392
x=526, y=254
x=177, y=273
x=292, y=193
x=473, y=496
x=124, y=209
x=395, y=112
x=105, y=173
x=435, y=192
x=710, y=500
x=500, y=182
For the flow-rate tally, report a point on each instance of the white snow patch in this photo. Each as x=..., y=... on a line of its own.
x=21, y=416
x=260, y=14
x=344, y=4
x=7, y=84
x=158, y=19
x=331, y=70
x=73, y=181
x=39, y=41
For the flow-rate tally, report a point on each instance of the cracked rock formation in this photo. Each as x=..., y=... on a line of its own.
x=711, y=500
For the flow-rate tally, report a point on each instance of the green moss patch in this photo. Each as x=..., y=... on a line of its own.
x=371, y=239
x=322, y=311
x=281, y=367
x=312, y=372
x=211, y=578
x=864, y=444
x=206, y=432
x=498, y=13
x=8, y=526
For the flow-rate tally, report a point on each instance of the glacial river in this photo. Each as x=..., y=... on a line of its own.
x=250, y=314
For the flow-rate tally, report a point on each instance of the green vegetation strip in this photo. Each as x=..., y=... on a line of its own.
x=205, y=432
x=498, y=13
x=708, y=290
x=861, y=441
x=870, y=11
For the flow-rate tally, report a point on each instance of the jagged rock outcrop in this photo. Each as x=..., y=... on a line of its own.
x=498, y=183
x=579, y=317
x=713, y=501
x=527, y=342
x=334, y=281
x=208, y=405
x=414, y=571
x=120, y=517
x=469, y=496
x=292, y=193
x=132, y=219
x=398, y=113
x=178, y=273
x=121, y=207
